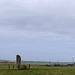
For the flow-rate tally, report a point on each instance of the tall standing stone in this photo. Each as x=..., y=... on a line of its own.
x=18, y=61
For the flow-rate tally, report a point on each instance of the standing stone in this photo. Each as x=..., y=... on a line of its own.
x=18, y=61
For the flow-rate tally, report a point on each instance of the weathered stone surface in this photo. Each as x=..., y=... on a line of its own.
x=18, y=61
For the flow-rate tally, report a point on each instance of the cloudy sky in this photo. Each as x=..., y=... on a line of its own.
x=38, y=30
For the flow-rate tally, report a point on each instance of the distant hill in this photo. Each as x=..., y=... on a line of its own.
x=6, y=61
x=3, y=61
x=35, y=62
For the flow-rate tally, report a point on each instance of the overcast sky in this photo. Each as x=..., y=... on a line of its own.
x=38, y=30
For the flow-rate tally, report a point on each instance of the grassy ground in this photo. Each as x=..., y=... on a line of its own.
x=37, y=70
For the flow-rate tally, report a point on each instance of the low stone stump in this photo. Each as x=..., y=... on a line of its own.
x=23, y=67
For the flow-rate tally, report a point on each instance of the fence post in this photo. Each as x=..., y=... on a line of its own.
x=13, y=66
x=29, y=66
x=9, y=66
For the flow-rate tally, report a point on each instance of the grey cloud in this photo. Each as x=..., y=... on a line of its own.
x=42, y=16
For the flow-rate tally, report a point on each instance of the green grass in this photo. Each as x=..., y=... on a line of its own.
x=37, y=70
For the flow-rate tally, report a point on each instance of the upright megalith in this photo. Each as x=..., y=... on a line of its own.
x=18, y=61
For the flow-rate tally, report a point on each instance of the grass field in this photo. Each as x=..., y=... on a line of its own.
x=37, y=70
